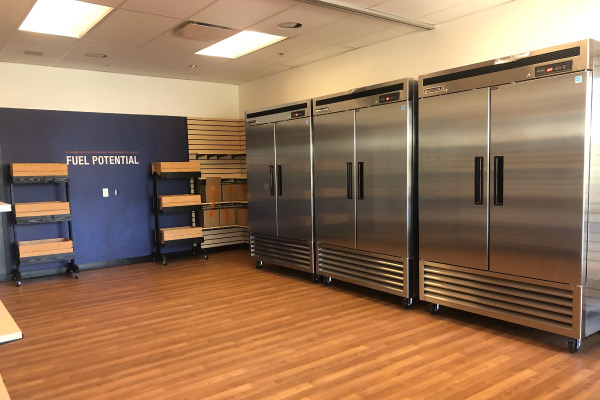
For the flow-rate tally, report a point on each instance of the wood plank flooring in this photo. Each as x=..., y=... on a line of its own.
x=221, y=329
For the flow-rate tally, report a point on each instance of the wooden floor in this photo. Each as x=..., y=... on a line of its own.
x=221, y=329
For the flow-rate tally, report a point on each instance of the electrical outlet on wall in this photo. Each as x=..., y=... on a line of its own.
x=104, y=192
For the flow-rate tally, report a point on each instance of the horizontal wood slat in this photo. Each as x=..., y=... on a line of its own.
x=179, y=200
x=42, y=208
x=38, y=169
x=165, y=167
x=183, y=232
x=33, y=248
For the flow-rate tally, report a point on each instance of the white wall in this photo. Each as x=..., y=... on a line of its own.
x=46, y=88
x=511, y=28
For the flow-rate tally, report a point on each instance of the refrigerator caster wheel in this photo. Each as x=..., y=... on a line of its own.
x=407, y=303
x=327, y=280
x=433, y=308
x=574, y=345
x=314, y=278
x=259, y=264
x=164, y=260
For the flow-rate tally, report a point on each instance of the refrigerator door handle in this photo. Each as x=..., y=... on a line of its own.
x=361, y=182
x=349, y=180
x=478, y=180
x=271, y=180
x=498, y=180
x=279, y=181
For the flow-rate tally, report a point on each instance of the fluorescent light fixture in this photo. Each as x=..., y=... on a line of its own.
x=240, y=44
x=70, y=18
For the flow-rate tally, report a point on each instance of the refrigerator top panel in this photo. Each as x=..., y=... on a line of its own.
x=565, y=58
x=284, y=112
x=384, y=93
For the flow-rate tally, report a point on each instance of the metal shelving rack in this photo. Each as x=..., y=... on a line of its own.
x=179, y=203
x=45, y=250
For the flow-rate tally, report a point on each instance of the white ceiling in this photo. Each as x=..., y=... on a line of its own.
x=137, y=35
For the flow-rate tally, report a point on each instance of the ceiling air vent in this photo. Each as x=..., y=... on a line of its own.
x=33, y=53
x=203, y=32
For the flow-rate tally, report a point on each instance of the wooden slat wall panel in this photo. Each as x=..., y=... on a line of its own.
x=221, y=145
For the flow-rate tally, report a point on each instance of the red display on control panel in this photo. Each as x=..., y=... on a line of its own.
x=549, y=69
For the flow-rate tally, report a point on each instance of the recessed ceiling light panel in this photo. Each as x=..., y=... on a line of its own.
x=240, y=44
x=70, y=18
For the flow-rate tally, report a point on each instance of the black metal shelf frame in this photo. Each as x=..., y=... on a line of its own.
x=196, y=243
x=72, y=267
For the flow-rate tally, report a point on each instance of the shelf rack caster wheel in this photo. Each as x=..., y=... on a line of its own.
x=205, y=254
x=327, y=280
x=314, y=278
x=16, y=276
x=164, y=259
x=259, y=264
x=574, y=345
x=433, y=308
x=407, y=303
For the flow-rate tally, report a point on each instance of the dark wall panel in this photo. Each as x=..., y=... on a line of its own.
x=119, y=226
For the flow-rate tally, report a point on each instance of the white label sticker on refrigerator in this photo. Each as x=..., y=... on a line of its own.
x=578, y=79
x=403, y=107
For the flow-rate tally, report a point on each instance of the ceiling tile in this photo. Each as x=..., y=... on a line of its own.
x=14, y=52
x=311, y=17
x=109, y=3
x=461, y=10
x=240, y=14
x=202, y=64
x=317, y=55
x=346, y=30
x=131, y=27
x=13, y=12
x=145, y=60
x=43, y=40
x=414, y=9
x=237, y=69
x=4, y=35
x=173, y=43
x=283, y=51
x=364, y=3
x=170, y=8
x=272, y=70
x=77, y=55
x=381, y=36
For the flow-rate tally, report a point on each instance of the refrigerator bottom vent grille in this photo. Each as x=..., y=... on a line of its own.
x=372, y=270
x=290, y=253
x=544, y=307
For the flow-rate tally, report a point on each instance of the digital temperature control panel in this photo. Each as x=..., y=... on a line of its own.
x=386, y=98
x=554, y=68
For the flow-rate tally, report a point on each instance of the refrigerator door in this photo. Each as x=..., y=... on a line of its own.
x=262, y=205
x=453, y=148
x=294, y=208
x=333, y=179
x=538, y=132
x=381, y=182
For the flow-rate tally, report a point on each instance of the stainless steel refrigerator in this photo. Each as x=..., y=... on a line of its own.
x=509, y=189
x=364, y=189
x=280, y=194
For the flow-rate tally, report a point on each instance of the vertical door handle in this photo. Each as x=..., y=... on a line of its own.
x=478, y=180
x=349, y=180
x=361, y=180
x=271, y=180
x=498, y=180
x=279, y=181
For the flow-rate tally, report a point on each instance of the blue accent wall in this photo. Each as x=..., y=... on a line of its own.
x=104, y=229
